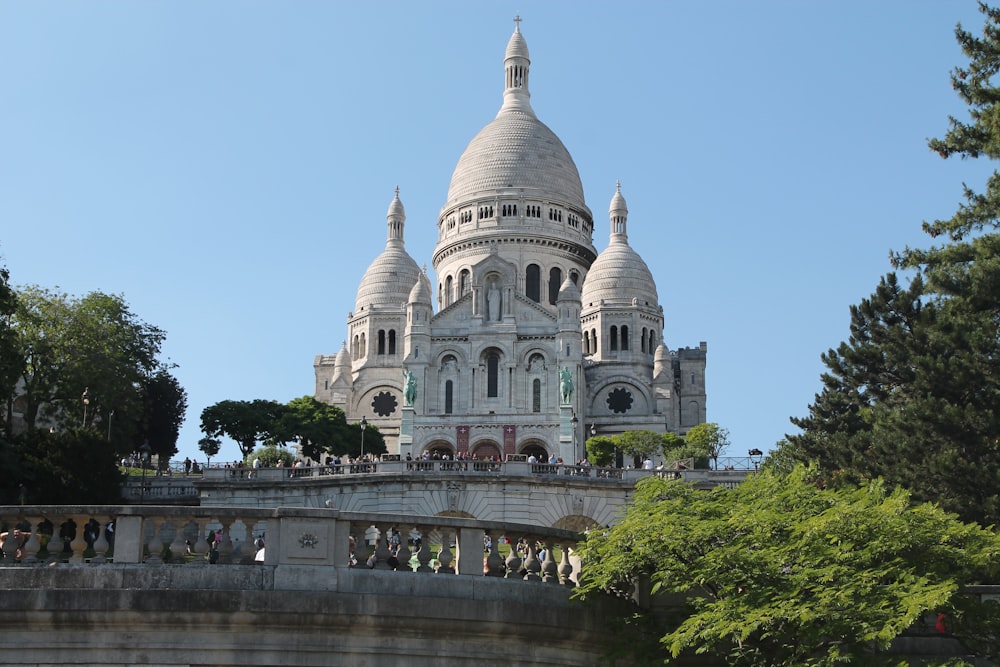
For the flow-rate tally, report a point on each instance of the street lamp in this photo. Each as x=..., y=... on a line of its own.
x=574, y=421
x=755, y=456
x=85, y=397
x=364, y=425
x=111, y=416
x=144, y=453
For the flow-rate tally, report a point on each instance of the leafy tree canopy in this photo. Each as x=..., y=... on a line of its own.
x=69, y=345
x=74, y=467
x=709, y=438
x=640, y=443
x=781, y=571
x=601, y=450
x=246, y=422
x=911, y=396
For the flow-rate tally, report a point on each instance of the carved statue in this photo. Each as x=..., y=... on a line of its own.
x=410, y=387
x=493, y=303
x=566, y=385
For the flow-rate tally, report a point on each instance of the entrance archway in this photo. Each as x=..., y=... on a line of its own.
x=486, y=449
x=537, y=448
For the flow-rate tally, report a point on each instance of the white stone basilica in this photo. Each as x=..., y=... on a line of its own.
x=538, y=341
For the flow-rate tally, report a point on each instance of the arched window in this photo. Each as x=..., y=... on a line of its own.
x=381, y=341
x=463, y=282
x=536, y=395
x=447, y=291
x=449, y=390
x=575, y=277
x=533, y=283
x=586, y=342
x=593, y=340
x=493, y=375
x=624, y=338
x=363, y=349
x=355, y=347
x=555, y=281
x=613, y=341
x=643, y=343
x=652, y=341
x=392, y=341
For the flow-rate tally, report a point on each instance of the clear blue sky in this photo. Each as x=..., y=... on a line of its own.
x=227, y=166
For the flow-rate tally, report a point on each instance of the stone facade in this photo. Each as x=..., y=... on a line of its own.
x=531, y=340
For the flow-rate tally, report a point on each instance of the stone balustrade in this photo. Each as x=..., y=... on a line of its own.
x=298, y=541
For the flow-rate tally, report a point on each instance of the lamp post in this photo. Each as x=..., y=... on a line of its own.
x=111, y=416
x=85, y=397
x=364, y=425
x=144, y=453
x=574, y=421
x=755, y=456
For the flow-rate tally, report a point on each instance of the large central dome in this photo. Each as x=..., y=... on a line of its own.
x=516, y=151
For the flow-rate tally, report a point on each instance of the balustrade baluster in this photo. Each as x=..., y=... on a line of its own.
x=566, y=567
x=178, y=548
x=101, y=545
x=201, y=546
x=550, y=571
x=531, y=563
x=10, y=545
x=494, y=563
x=56, y=543
x=424, y=555
x=29, y=554
x=445, y=556
x=404, y=554
x=227, y=551
x=78, y=545
x=155, y=544
x=513, y=563
x=382, y=552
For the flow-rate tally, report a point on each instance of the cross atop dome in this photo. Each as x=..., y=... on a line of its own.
x=517, y=23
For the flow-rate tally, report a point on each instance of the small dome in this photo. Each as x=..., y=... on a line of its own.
x=517, y=47
x=619, y=276
x=396, y=209
x=389, y=279
x=342, y=362
x=421, y=292
x=568, y=291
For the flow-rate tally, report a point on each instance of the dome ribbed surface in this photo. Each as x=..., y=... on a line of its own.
x=388, y=280
x=516, y=150
x=517, y=47
x=619, y=275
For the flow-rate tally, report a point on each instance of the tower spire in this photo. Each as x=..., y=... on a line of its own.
x=395, y=219
x=516, y=65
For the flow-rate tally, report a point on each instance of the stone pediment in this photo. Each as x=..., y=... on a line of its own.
x=526, y=310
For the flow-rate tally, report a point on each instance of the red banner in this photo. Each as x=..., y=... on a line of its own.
x=509, y=440
x=462, y=439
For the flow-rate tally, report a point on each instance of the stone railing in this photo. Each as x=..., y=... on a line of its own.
x=299, y=544
x=509, y=468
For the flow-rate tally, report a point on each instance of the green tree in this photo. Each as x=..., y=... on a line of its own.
x=246, y=422
x=164, y=404
x=209, y=447
x=318, y=428
x=69, y=345
x=270, y=455
x=709, y=438
x=73, y=467
x=640, y=444
x=601, y=450
x=912, y=395
x=11, y=360
x=782, y=571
